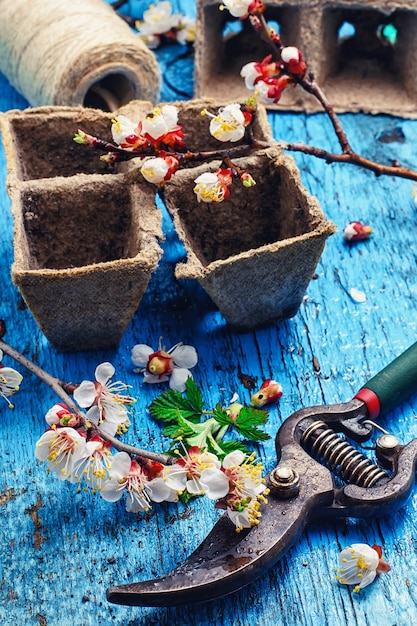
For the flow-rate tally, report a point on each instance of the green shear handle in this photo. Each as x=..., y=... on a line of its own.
x=392, y=385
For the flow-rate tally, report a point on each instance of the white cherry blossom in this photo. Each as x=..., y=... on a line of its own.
x=10, y=380
x=107, y=403
x=128, y=477
x=158, y=19
x=290, y=53
x=247, y=489
x=237, y=8
x=161, y=121
x=186, y=30
x=262, y=89
x=60, y=415
x=250, y=73
x=359, y=564
x=121, y=128
x=228, y=124
x=204, y=474
x=61, y=448
x=162, y=365
x=154, y=170
x=211, y=187
x=93, y=466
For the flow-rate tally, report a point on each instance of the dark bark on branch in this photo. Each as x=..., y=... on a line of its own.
x=352, y=158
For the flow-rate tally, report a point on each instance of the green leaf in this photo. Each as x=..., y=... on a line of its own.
x=185, y=497
x=173, y=431
x=194, y=395
x=222, y=416
x=247, y=421
x=183, y=428
x=166, y=406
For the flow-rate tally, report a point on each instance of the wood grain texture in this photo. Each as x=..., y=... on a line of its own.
x=60, y=550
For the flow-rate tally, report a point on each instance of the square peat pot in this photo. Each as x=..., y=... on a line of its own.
x=255, y=252
x=86, y=241
x=84, y=252
x=39, y=141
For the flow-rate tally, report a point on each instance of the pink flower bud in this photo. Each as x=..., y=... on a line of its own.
x=293, y=60
x=355, y=231
x=247, y=180
x=268, y=393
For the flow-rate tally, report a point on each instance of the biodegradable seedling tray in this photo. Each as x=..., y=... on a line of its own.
x=360, y=65
x=255, y=252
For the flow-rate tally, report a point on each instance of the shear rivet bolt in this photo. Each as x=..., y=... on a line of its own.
x=283, y=474
x=387, y=442
x=284, y=481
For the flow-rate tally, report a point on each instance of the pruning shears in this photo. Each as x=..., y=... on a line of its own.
x=319, y=473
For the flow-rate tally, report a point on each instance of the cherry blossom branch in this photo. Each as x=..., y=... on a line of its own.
x=270, y=78
x=352, y=158
x=310, y=85
x=61, y=388
x=119, y=154
x=275, y=77
x=306, y=81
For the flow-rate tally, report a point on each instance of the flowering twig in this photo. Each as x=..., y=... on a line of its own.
x=271, y=78
x=309, y=84
x=348, y=155
x=158, y=141
x=283, y=68
x=60, y=388
x=119, y=154
x=159, y=24
x=353, y=158
x=77, y=446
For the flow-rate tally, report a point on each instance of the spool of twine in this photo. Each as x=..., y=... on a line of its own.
x=74, y=52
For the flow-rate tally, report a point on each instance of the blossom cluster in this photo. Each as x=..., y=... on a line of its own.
x=158, y=141
x=269, y=78
x=78, y=447
x=159, y=133
x=160, y=22
x=77, y=453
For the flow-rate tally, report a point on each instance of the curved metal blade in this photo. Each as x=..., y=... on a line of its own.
x=226, y=560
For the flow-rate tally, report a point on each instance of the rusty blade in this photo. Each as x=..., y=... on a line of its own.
x=226, y=560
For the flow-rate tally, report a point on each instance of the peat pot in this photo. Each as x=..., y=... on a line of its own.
x=362, y=53
x=85, y=240
x=255, y=252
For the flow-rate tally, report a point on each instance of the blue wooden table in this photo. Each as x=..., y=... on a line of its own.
x=60, y=550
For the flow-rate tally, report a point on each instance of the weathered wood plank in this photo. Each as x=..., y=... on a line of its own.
x=60, y=550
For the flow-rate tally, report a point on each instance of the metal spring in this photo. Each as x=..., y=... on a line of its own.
x=347, y=462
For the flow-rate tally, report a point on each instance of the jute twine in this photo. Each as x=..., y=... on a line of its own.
x=76, y=52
